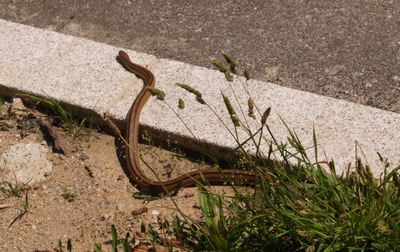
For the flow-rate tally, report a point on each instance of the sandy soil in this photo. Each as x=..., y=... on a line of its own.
x=103, y=194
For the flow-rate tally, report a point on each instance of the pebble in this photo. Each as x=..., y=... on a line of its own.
x=189, y=194
x=120, y=206
x=25, y=162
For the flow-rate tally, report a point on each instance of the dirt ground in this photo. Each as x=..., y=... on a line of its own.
x=103, y=192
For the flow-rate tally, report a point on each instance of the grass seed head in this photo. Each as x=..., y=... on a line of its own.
x=181, y=103
x=250, y=103
x=232, y=63
x=229, y=59
x=189, y=89
x=200, y=100
x=228, y=77
x=246, y=74
x=157, y=92
x=219, y=65
x=265, y=116
x=231, y=110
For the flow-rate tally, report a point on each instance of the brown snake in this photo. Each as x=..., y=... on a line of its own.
x=211, y=174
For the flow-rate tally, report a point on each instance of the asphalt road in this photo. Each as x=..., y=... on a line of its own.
x=344, y=49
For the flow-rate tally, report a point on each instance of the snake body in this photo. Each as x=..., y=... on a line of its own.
x=211, y=174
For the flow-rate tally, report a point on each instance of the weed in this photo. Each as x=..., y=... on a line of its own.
x=98, y=247
x=23, y=210
x=12, y=189
x=126, y=243
x=73, y=125
x=60, y=246
x=15, y=188
x=68, y=195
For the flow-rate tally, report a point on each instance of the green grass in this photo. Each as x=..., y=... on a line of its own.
x=126, y=244
x=23, y=210
x=60, y=246
x=69, y=195
x=13, y=188
x=306, y=208
x=301, y=207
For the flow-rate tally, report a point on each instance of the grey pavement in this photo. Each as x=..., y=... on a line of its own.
x=338, y=48
x=86, y=74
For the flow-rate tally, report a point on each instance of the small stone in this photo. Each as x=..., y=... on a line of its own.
x=139, y=211
x=333, y=70
x=120, y=206
x=155, y=215
x=368, y=85
x=189, y=194
x=82, y=156
x=4, y=110
x=18, y=107
x=106, y=217
x=196, y=205
x=271, y=73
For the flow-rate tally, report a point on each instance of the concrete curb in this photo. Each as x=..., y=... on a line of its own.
x=86, y=74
